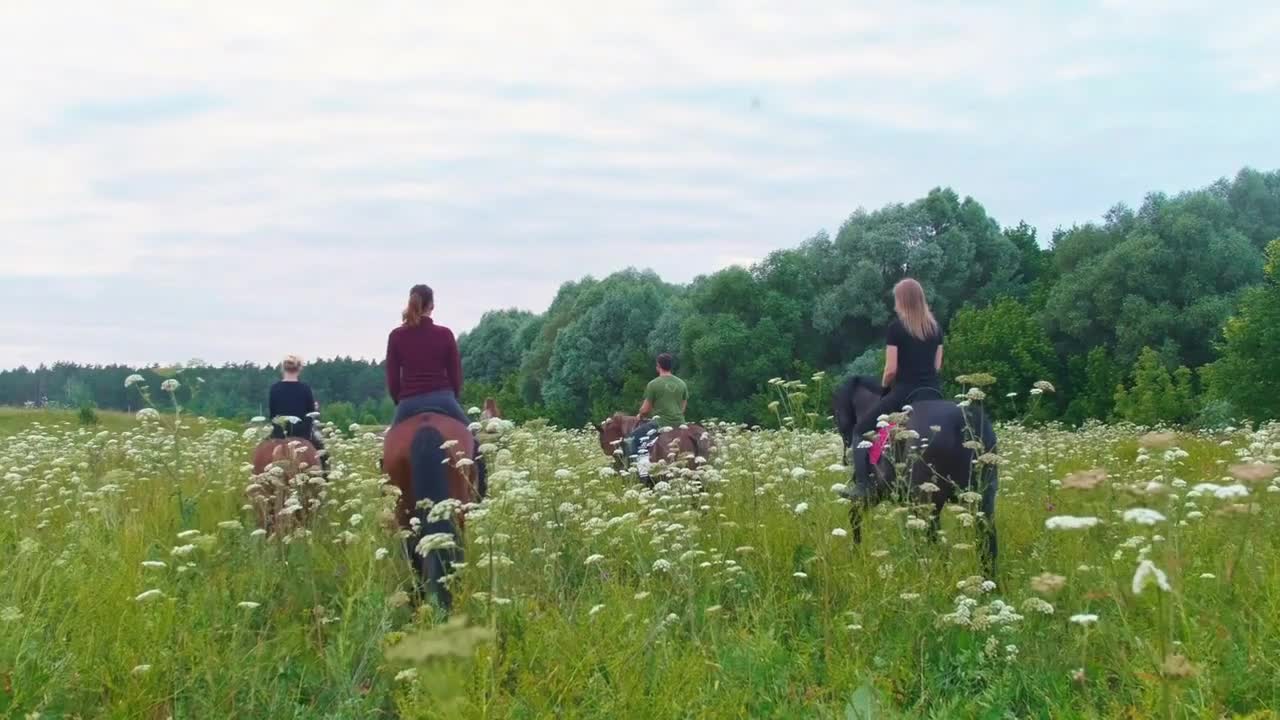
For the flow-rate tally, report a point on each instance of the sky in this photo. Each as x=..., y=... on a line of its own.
x=236, y=181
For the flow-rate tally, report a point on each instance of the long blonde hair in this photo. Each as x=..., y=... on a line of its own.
x=913, y=309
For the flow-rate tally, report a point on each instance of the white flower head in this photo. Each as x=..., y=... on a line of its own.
x=1148, y=574
x=1070, y=522
x=1084, y=620
x=1143, y=516
x=170, y=386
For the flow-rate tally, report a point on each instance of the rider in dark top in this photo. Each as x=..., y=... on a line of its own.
x=913, y=357
x=292, y=398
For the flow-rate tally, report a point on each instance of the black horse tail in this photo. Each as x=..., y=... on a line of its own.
x=842, y=409
x=429, y=475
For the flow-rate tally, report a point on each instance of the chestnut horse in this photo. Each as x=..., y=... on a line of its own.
x=682, y=446
x=428, y=458
x=284, y=471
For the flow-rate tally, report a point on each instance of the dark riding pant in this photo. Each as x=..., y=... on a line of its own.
x=440, y=401
x=641, y=440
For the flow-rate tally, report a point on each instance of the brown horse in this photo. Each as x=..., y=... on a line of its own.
x=283, y=491
x=613, y=437
x=678, y=447
x=428, y=458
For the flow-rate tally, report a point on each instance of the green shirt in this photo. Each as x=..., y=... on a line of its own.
x=667, y=394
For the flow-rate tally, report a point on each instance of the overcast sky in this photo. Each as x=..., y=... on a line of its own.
x=234, y=181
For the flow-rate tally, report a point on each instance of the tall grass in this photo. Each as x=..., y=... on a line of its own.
x=606, y=600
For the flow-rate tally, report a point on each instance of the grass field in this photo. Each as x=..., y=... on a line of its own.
x=132, y=585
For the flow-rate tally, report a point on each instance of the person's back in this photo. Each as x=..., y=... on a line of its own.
x=291, y=398
x=917, y=358
x=668, y=395
x=422, y=359
x=424, y=368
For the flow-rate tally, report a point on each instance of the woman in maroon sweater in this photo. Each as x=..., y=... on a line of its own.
x=424, y=370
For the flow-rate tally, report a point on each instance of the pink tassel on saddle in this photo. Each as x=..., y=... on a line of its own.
x=877, y=446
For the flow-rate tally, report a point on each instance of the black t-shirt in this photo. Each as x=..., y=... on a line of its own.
x=291, y=397
x=916, y=358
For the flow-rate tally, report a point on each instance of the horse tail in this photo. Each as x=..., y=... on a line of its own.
x=842, y=409
x=430, y=482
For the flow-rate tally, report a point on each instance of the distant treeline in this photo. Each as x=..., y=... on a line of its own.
x=1167, y=313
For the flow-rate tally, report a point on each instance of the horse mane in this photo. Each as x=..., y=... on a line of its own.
x=491, y=409
x=842, y=402
x=865, y=381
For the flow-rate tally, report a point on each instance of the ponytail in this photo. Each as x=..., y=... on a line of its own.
x=421, y=300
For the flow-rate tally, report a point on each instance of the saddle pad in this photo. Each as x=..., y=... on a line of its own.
x=877, y=446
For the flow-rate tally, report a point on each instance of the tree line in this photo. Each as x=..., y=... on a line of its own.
x=1169, y=312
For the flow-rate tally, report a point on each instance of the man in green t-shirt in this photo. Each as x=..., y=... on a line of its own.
x=665, y=400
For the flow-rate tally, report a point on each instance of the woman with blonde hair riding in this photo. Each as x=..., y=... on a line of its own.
x=912, y=358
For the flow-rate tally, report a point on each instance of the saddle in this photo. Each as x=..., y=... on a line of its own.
x=482, y=470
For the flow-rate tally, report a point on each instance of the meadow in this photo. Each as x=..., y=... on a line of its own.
x=134, y=584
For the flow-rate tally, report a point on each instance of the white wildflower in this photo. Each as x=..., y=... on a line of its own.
x=1143, y=516
x=1070, y=522
x=1148, y=574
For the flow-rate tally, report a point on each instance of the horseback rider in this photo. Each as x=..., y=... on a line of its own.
x=293, y=407
x=666, y=398
x=424, y=369
x=912, y=363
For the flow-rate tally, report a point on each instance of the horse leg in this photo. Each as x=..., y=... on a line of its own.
x=437, y=565
x=989, y=545
x=856, y=511
x=935, y=522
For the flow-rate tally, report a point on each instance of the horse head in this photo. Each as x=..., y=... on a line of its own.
x=614, y=431
x=854, y=398
x=491, y=410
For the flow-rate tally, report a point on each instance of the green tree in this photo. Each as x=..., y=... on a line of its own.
x=1166, y=276
x=951, y=246
x=1155, y=395
x=1091, y=386
x=608, y=325
x=491, y=351
x=1248, y=373
x=1006, y=340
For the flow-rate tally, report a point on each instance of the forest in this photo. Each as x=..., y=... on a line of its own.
x=1164, y=313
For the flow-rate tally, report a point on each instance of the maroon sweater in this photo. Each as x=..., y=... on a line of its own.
x=421, y=360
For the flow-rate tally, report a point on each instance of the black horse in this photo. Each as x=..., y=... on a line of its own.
x=950, y=440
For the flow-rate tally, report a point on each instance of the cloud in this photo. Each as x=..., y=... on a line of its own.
x=226, y=181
